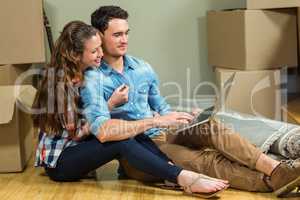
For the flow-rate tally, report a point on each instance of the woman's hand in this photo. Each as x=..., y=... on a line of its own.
x=119, y=96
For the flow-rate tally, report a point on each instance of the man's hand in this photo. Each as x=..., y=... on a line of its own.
x=173, y=119
x=196, y=111
x=119, y=96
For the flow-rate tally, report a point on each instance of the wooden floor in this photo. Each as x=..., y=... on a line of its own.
x=32, y=184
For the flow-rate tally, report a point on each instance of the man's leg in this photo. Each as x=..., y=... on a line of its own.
x=231, y=145
x=214, y=164
x=214, y=135
x=237, y=149
x=206, y=162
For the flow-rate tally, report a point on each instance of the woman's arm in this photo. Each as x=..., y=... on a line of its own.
x=116, y=129
x=119, y=96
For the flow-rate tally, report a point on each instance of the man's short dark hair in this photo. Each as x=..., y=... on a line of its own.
x=101, y=17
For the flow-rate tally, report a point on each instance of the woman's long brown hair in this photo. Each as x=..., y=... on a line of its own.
x=55, y=91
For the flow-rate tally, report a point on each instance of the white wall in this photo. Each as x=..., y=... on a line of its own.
x=169, y=34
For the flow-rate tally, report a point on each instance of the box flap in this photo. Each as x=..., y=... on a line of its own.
x=10, y=73
x=7, y=103
x=26, y=95
x=23, y=94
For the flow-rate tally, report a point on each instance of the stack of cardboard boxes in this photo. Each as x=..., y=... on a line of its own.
x=22, y=43
x=251, y=46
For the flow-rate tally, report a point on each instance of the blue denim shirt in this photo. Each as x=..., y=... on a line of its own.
x=143, y=97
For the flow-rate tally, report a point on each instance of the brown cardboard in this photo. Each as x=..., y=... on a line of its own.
x=21, y=35
x=252, y=92
x=16, y=129
x=252, y=39
x=10, y=73
x=267, y=4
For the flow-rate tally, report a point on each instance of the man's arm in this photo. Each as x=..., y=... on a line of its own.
x=155, y=100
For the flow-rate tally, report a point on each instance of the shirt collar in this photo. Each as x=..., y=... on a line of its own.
x=107, y=69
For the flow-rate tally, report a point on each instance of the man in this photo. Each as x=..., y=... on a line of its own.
x=223, y=155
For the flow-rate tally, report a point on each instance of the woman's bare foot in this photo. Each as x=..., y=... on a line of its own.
x=216, y=179
x=199, y=183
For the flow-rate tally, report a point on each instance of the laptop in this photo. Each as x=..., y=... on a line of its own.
x=207, y=113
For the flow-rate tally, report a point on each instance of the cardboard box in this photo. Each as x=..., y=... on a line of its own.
x=252, y=39
x=10, y=73
x=16, y=127
x=21, y=35
x=267, y=4
x=252, y=92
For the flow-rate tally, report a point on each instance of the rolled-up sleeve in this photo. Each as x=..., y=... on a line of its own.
x=95, y=107
x=155, y=100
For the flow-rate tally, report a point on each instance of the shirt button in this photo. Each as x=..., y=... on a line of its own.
x=131, y=103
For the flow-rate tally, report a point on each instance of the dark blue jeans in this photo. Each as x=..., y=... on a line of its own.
x=141, y=153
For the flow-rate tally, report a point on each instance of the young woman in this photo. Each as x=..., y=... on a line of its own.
x=65, y=149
